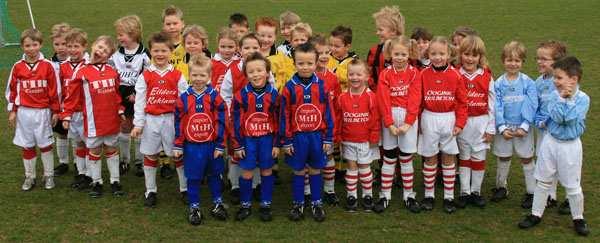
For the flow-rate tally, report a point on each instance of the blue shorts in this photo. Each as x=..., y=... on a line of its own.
x=258, y=152
x=198, y=160
x=308, y=151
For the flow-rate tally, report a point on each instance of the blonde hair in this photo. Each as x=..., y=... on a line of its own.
x=227, y=33
x=410, y=44
x=390, y=17
x=559, y=49
x=110, y=43
x=473, y=44
x=200, y=62
x=302, y=28
x=171, y=10
x=363, y=64
x=444, y=41
x=289, y=18
x=78, y=36
x=33, y=34
x=514, y=49
x=196, y=31
x=130, y=25
x=59, y=30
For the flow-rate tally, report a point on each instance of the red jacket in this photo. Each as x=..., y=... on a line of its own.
x=254, y=115
x=33, y=85
x=444, y=91
x=358, y=117
x=219, y=68
x=67, y=69
x=399, y=89
x=478, y=91
x=333, y=88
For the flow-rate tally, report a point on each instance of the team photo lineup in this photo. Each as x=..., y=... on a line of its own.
x=228, y=120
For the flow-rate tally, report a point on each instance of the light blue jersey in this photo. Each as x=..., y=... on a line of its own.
x=545, y=88
x=566, y=117
x=516, y=102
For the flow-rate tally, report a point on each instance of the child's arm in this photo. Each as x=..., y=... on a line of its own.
x=236, y=139
x=328, y=118
x=276, y=99
x=53, y=92
x=569, y=115
x=179, y=136
x=499, y=108
x=139, y=114
x=461, y=106
x=491, y=125
x=182, y=84
x=227, y=88
x=221, y=118
x=374, y=122
x=73, y=90
x=530, y=104
x=11, y=95
x=415, y=96
x=285, y=131
x=383, y=98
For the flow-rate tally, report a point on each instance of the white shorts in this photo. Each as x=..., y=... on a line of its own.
x=34, y=127
x=407, y=143
x=540, y=134
x=471, y=143
x=158, y=134
x=108, y=140
x=76, y=127
x=436, y=134
x=523, y=147
x=559, y=159
x=362, y=153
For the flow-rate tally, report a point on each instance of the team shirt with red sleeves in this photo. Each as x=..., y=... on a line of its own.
x=358, y=116
x=333, y=88
x=305, y=108
x=219, y=68
x=481, y=96
x=254, y=115
x=445, y=91
x=33, y=85
x=66, y=71
x=200, y=118
x=99, y=84
x=234, y=81
x=399, y=89
x=156, y=92
x=377, y=63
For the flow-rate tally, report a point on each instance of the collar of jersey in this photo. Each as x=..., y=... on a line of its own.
x=193, y=92
x=41, y=57
x=138, y=51
x=219, y=58
x=296, y=80
x=268, y=88
x=153, y=68
x=471, y=76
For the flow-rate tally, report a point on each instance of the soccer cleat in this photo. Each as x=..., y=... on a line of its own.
x=449, y=206
x=77, y=180
x=462, y=201
x=427, y=203
x=219, y=212
x=351, y=204
x=477, y=200
x=265, y=213
x=551, y=202
x=116, y=189
x=581, y=227
x=499, y=194
x=318, y=213
x=150, y=200
x=307, y=200
x=527, y=201
x=529, y=221
x=296, y=212
x=61, y=169
x=166, y=171
x=381, y=205
x=243, y=213
x=85, y=184
x=49, y=182
x=184, y=197
x=412, y=205
x=123, y=168
x=139, y=169
x=28, y=184
x=256, y=193
x=235, y=196
x=367, y=203
x=96, y=191
x=195, y=217
x=331, y=199
x=564, y=208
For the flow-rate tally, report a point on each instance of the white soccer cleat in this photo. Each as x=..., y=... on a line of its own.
x=49, y=182
x=28, y=184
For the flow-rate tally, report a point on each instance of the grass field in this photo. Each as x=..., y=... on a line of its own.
x=69, y=216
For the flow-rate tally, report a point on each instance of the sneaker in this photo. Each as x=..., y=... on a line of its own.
x=527, y=201
x=184, y=197
x=265, y=213
x=96, y=191
x=307, y=201
x=529, y=221
x=477, y=200
x=351, y=204
x=367, y=203
x=219, y=212
x=28, y=184
x=61, y=169
x=449, y=206
x=427, y=203
x=139, y=169
x=331, y=199
x=85, y=184
x=116, y=189
x=243, y=213
x=381, y=205
x=166, y=171
x=235, y=196
x=123, y=168
x=581, y=227
x=195, y=217
x=412, y=205
x=564, y=208
x=49, y=182
x=256, y=193
x=462, y=200
x=296, y=212
x=318, y=213
x=551, y=202
x=499, y=194
x=150, y=200
x=77, y=180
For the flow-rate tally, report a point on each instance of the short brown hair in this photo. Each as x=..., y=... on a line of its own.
x=227, y=33
x=318, y=39
x=289, y=18
x=559, y=49
x=570, y=65
x=59, y=30
x=256, y=56
x=130, y=25
x=302, y=28
x=410, y=44
x=266, y=21
x=421, y=33
x=246, y=37
x=473, y=44
x=33, y=34
x=391, y=17
x=464, y=31
x=239, y=19
x=76, y=35
x=514, y=49
x=171, y=10
x=200, y=62
x=344, y=33
x=360, y=62
x=108, y=40
x=160, y=37
x=196, y=31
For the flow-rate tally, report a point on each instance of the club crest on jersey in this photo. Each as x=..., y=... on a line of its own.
x=259, y=106
x=199, y=106
x=438, y=81
x=308, y=117
x=307, y=97
x=199, y=128
x=470, y=85
x=161, y=81
x=258, y=124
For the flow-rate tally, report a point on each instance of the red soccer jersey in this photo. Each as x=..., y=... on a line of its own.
x=160, y=89
x=67, y=69
x=444, y=91
x=399, y=89
x=101, y=99
x=254, y=114
x=478, y=91
x=358, y=117
x=219, y=68
x=333, y=88
x=33, y=85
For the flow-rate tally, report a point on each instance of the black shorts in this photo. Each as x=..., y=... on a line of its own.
x=59, y=129
x=125, y=92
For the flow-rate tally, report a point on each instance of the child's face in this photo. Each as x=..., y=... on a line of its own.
x=298, y=39
x=60, y=46
x=357, y=76
x=339, y=50
x=193, y=45
x=384, y=32
x=76, y=51
x=470, y=61
x=199, y=77
x=240, y=30
x=161, y=53
x=399, y=55
x=323, y=54
x=266, y=35
x=124, y=39
x=422, y=46
x=562, y=80
x=306, y=63
x=256, y=72
x=31, y=48
x=227, y=48
x=456, y=39
x=286, y=30
x=544, y=60
x=248, y=47
x=173, y=25
x=512, y=65
x=438, y=54
x=101, y=51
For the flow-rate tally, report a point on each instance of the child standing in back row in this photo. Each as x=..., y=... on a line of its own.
x=389, y=23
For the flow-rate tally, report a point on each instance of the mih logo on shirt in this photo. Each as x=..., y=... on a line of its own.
x=258, y=124
x=199, y=128
x=308, y=117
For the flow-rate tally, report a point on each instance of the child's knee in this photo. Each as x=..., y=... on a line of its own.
x=391, y=153
x=572, y=191
x=431, y=161
x=504, y=158
x=247, y=174
x=266, y=172
x=526, y=160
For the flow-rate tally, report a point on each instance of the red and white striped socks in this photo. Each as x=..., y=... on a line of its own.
x=329, y=177
x=366, y=181
x=449, y=176
x=477, y=172
x=429, y=173
x=388, y=170
x=351, y=182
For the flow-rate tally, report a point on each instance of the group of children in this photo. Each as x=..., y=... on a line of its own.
x=312, y=99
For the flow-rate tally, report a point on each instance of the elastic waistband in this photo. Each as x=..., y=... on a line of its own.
x=444, y=114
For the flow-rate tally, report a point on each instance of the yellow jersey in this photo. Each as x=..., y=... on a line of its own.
x=340, y=68
x=282, y=67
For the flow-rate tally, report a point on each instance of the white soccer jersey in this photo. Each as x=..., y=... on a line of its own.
x=130, y=66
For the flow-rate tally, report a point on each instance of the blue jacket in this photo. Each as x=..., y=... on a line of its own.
x=516, y=102
x=545, y=88
x=566, y=117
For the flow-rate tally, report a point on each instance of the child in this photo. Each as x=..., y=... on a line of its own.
x=172, y=19
x=283, y=64
x=475, y=139
x=560, y=152
x=225, y=56
x=516, y=103
x=238, y=22
x=102, y=113
x=399, y=97
x=443, y=117
x=389, y=23
x=195, y=42
x=340, y=42
x=157, y=89
x=266, y=30
x=423, y=37
x=359, y=129
x=287, y=20
x=200, y=116
x=33, y=106
x=307, y=130
x=460, y=33
x=255, y=113
x=129, y=60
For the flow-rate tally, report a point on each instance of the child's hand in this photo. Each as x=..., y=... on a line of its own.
x=520, y=133
x=217, y=153
x=177, y=153
x=456, y=131
x=240, y=153
x=131, y=98
x=487, y=138
x=54, y=119
x=289, y=150
x=507, y=134
x=403, y=129
x=136, y=132
x=326, y=147
x=65, y=124
x=275, y=152
x=12, y=119
x=566, y=90
x=393, y=130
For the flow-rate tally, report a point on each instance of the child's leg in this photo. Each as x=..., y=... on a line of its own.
x=407, y=173
x=553, y=189
x=112, y=162
x=366, y=179
x=125, y=140
x=62, y=144
x=256, y=178
x=215, y=182
x=180, y=174
x=502, y=170
x=540, y=197
x=351, y=179
x=266, y=188
x=80, y=152
x=193, y=192
x=246, y=188
x=575, y=196
x=234, y=172
x=150, y=165
x=387, y=172
x=329, y=175
x=138, y=154
x=477, y=173
x=449, y=174
x=306, y=182
x=47, y=160
x=465, y=171
x=95, y=166
x=528, y=168
x=29, y=159
x=429, y=172
x=316, y=185
x=298, y=187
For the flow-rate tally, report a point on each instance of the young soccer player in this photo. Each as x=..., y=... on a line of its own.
x=282, y=65
x=399, y=97
x=340, y=42
x=238, y=22
x=225, y=56
x=195, y=42
x=560, y=152
x=516, y=103
x=129, y=60
x=478, y=133
x=33, y=106
x=389, y=23
x=255, y=112
x=103, y=113
x=306, y=128
x=359, y=128
x=443, y=118
x=287, y=20
x=200, y=116
x=423, y=37
x=266, y=31
x=157, y=89
x=460, y=33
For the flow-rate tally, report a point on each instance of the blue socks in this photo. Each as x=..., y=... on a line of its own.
x=193, y=192
x=316, y=187
x=298, y=189
x=215, y=185
x=266, y=189
x=245, y=192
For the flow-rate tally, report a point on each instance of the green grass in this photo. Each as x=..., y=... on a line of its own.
x=66, y=215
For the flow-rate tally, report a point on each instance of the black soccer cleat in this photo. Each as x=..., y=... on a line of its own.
x=219, y=212
x=235, y=196
x=77, y=180
x=462, y=201
x=184, y=197
x=123, y=168
x=367, y=203
x=243, y=213
x=581, y=227
x=564, y=208
x=477, y=200
x=380, y=205
x=351, y=204
x=412, y=205
x=85, y=184
x=331, y=199
x=499, y=194
x=166, y=171
x=96, y=191
x=195, y=216
x=427, y=203
x=529, y=221
x=61, y=169
x=318, y=213
x=296, y=212
x=150, y=200
x=117, y=189
x=527, y=201
x=265, y=213
x=551, y=202
x=139, y=170
x=449, y=206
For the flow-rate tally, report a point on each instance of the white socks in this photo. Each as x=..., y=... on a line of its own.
x=124, y=146
x=477, y=173
x=112, y=161
x=503, y=167
x=464, y=168
x=234, y=175
x=48, y=162
x=540, y=198
x=62, y=150
x=529, y=178
x=181, y=177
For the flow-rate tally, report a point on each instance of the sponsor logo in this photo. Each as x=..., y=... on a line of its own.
x=199, y=128
x=258, y=124
x=308, y=117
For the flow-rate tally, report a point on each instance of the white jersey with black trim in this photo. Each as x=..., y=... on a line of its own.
x=130, y=66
